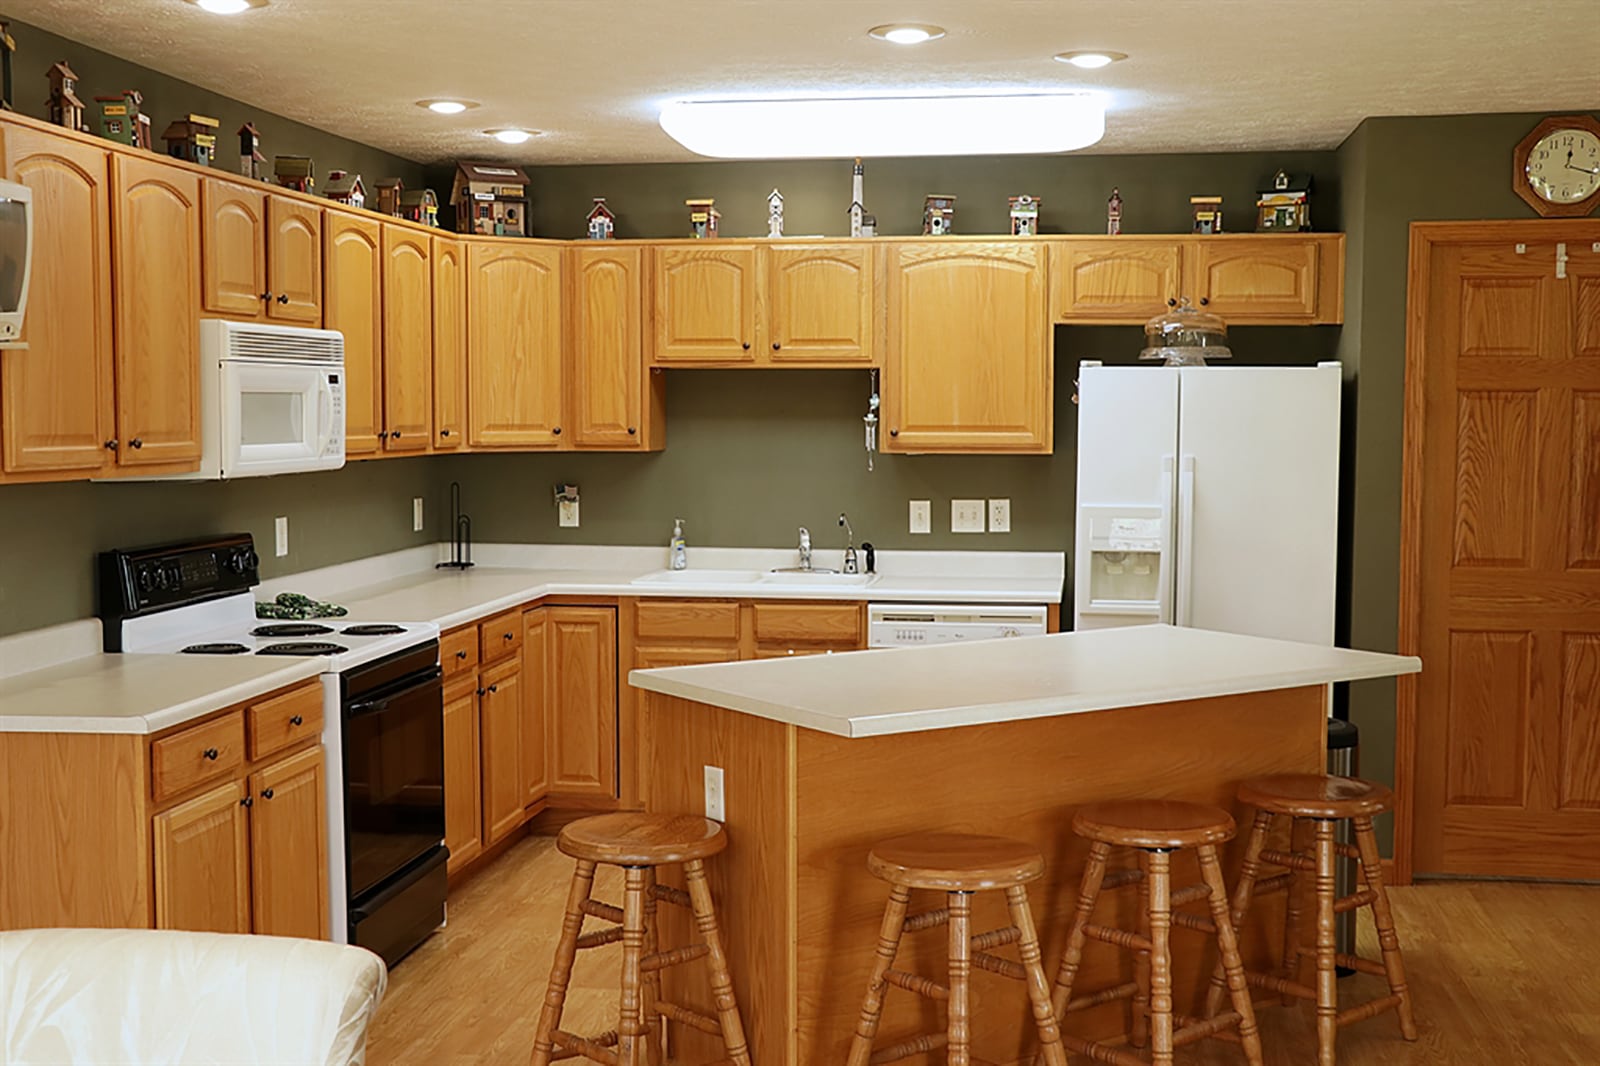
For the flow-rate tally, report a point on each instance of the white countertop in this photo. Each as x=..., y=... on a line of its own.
x=905, y=690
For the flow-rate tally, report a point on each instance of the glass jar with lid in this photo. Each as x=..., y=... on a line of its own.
x=1186, y=336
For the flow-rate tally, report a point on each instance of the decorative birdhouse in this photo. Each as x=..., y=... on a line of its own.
x=65, y=108
x=490, y=199
x=8, y=48
x=123, y=121
x=346, y=188
x=296, y=172
x=858, y=203
x=938, y=215
x=869, y=225
x=774, y=213
x=389, y=190
x=1114, y=212
x=1207, y=213
x=703, y=217
x=250, y=157
x=602, y=223
x=193, y=138
x=1286, y=206
x=420, y=205
x=1024, y=216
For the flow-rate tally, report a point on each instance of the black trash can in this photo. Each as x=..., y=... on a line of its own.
x=1344, y=760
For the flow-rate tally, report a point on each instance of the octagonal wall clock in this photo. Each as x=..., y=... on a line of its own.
x=1556, y=167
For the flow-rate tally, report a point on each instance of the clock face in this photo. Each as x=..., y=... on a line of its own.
x=1564, y=166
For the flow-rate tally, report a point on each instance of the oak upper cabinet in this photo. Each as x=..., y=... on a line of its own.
x=536, y=693
x=514, y=357
x=57, y=399
x=407, y=339
x=289, y=847
x=294, y=262
x=449, y=343
x=463, y=776
x=819, y=304
x=233, y=245
x=582, y=678
x=614, y=400
x=500, y=718
x=156, y=267
x=1267, y=278
x=352, y=303
x=1114, y=280
x=202, y=863
x=704, y=306
x=969, y=360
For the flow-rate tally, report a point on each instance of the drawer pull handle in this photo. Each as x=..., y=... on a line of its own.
x=461, y=655
x=211, y=753
x=297, y=720
x=246, y=802
x=266, y=793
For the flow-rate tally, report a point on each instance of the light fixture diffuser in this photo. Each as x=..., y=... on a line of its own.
x=836, y=127
x=227, y=7
x=1091, y=59
x=906, y=32
x=512, y=135
x=446, y=106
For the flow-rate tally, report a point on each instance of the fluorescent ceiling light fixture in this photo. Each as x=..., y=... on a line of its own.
x=906, y=32
x=512, y=136
x=446, y=107
x=1091, y=60
x=838, y=127
x=227, y=7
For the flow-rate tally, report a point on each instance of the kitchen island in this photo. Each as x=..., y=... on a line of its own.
x=825, y=755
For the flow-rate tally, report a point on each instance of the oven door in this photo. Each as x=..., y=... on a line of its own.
x=393, y=778
x=279, y=418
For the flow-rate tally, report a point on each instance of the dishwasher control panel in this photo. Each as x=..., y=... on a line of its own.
x=899, y=625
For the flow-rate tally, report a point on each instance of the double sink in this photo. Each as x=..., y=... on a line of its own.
x=789, y=578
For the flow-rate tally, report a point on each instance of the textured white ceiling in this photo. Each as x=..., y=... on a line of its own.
x=1204, y=75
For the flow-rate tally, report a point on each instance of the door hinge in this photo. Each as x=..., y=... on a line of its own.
x=1561, y=261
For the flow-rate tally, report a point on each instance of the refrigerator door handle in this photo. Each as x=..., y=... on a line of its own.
x=1185, y=574
x=1165, y=589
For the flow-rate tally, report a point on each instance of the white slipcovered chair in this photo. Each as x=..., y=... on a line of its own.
x=115, y=997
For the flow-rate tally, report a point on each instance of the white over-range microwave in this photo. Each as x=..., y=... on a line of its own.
x=271, y=400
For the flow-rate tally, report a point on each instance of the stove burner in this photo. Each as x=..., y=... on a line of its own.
x=291, y=629
x=372, y=629
x=302, y=647
x=215, y=649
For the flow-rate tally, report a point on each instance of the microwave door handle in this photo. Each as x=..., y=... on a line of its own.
x=324, y=413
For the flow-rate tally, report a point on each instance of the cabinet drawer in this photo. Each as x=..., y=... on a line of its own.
x=285, y=720
x=500, y=636
x=816, y=623
x=208, y=752
x=458, y=651
x=698, y=619
x=789, y=653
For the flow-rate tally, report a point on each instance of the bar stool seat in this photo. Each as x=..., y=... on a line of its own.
x=955, y=862
x=1316, y=796
x=633, y=839
x=1168, y=824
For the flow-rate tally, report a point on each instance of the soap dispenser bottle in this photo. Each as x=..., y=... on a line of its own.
x=680, y=553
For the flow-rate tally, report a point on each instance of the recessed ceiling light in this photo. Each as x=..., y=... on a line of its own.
x=1091, y=60
x=227, y=7
x=446, y=107
x=512, y=135
x=836, y=127
x=906, y=32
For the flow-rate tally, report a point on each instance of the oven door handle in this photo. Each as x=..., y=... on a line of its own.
x=363, y=707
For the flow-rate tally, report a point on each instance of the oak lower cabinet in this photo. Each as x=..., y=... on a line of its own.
x=581, y=697
x=407, y=340
x=449, y=344
x=463, y=775
x=614, y=402
x=514, y=357
x=288, y=838
x=352, y=303
x=202, y=863
x=500, y=717
x=969, y=365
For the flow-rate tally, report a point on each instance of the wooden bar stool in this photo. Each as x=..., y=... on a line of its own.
x=1315, y=803
x=639, y=843
x=957, y=864
x=1155, y=829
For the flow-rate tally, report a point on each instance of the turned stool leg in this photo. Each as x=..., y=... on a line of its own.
x=1230, y=964
x=894, y=920
x=1044, y=1016
x=705, y=917
x=1327, y=943
x=650, y=988
x=958, y=1029
x=555, y=996
x=1139, y=1030
x=1094, y=872
x=1394, y=967
x=632, y=1030
x=1160, y=878
x=1294, y=896
x=1243, y=894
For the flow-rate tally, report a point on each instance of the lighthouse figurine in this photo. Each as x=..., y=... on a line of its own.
x=857, y=208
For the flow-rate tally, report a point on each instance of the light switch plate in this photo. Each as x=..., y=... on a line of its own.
x=716, y=795
x=1000, y=516
x=966, y=516
x=416, y=514
x=568, y=512
x=921, y=516
x=280, y=535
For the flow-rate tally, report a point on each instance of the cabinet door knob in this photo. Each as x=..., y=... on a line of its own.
x=747, y=346
x=297, y=720
x=461, y=655
x=509, y=636
x=494, y=688
x=632, y=431
x=481, y=691
x=246, y=802
x=283, y=297
x=1172, y=301
x=211, y=753
x=1204, y=300
x=894, y=433
x=395, y=434
x=444, y=433
x=266, y=296
x=111, y=445
x=776, y=345
x=266, y=793
x=136, y=443
x=556, y=431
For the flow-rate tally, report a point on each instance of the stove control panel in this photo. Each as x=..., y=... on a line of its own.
x=141, y=581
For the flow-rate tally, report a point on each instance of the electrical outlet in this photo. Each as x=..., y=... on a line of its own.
x=716, y=796
x=966, y=516
x=567, y=512
x=280, y=533
x=416, y=514
x=921, y=516
x=1000, y=516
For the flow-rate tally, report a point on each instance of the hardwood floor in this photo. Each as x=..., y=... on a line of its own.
x=1502, y=974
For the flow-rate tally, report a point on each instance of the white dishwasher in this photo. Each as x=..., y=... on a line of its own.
x=900, y=625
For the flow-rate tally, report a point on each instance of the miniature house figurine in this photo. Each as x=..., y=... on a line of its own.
x=1286, y=205
x=121, y=119
x=938, y=215
x=420, y=205
x=250, y=157
x=869, y=225
x=8, y=48
x=1207, y=213
x=193, y=138
x=775, y=214
x=65, y=108
x=346, y=188
x=858, y=209
x=602, y=223
x=1024, y=216
x=703, y=217
x=1114, y=212
x=490, y=199
x=295, y=172
x=389, y=190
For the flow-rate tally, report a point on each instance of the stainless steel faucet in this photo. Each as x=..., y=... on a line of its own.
x=851, y=564
x=805, y=548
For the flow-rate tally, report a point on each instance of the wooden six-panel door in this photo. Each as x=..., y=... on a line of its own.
x=407, y=339
x=1502, y=552
x=353, y=304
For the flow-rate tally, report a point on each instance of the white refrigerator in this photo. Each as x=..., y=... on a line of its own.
x=1208, y=497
